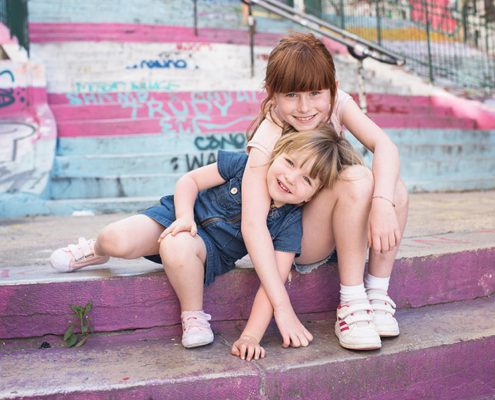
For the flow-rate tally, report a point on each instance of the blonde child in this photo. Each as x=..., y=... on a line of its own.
x=196, y=234
x=364, y=208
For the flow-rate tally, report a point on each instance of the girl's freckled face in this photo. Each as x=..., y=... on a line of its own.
x=303, y=110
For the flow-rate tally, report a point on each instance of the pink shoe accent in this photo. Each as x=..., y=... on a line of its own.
x=76, y=256
x=196, y=329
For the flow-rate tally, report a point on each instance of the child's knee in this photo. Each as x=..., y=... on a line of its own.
x=113, y=241
x=401, y=198
x=176, y=251
x=356, y=183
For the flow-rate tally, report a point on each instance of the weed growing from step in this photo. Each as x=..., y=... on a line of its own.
x=83, y=325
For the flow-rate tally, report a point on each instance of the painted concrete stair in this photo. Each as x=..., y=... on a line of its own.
x=443, y=282
x=441, y=354
x=431, y=269
x=431, y=160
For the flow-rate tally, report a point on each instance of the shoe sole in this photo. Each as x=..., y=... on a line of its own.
x=389, y=334
x=192, y=346
x=360, y=346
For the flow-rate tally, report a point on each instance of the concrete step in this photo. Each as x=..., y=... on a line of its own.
x=35, y=299
x=485, y=181
x=136, y=163
x=16, y=205
x=164, y=122
x=120, y=185
x=415, y=160
x=409, y=139
x=446, y=151
x=452, y=168
x=441, y=354
x=440, y=136
x=151, y=143
x=88, y=106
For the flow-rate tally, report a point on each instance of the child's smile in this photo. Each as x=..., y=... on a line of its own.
x=289, y=180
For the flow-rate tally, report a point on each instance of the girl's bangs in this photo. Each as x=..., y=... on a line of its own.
x=301, y=72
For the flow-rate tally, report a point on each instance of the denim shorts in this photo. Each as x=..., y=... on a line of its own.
x=216, y=263
x=307, y=268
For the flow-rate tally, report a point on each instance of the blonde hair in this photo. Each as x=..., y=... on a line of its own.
x=299, y=63
x=329, y=152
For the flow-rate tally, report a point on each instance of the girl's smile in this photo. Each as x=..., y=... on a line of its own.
x=303, y=110
x=289, y=181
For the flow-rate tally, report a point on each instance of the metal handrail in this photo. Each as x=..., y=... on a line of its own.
x=358, y=47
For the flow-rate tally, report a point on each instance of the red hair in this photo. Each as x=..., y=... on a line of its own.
x=299, y=63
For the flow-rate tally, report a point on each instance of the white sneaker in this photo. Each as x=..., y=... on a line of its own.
x=354, y=326
x=196, y=330
x=383, y=313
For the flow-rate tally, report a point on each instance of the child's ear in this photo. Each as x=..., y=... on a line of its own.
x=337, y=84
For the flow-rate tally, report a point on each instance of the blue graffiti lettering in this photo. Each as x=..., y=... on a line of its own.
x=7, y=95
x=160, y=64
x=215, y=142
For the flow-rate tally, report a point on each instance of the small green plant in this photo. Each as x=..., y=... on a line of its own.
x=77, y=339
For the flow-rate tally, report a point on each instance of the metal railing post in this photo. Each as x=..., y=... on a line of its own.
x=195, y=17
x=342, y=14
x=361, y=88
x=251, y=24
x=430, y=63
x=378, y=23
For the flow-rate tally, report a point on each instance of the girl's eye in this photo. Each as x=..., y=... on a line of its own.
x=308, y=181
x=291, y=94
x=289, y=161
x=315, y=93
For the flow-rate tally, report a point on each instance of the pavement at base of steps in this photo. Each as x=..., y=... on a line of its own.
x=438, y=223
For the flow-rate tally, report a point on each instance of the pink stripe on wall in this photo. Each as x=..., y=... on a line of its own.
x=19, y=100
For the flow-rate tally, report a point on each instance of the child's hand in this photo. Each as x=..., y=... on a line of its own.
x=293, y=332
x=383, y=227
x=183, y=224
x=247, y=348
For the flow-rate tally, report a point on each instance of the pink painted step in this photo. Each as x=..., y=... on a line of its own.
x=20, y=101
x=211, y=108
x=148, y=33
x=422, y=121
x=147, y=300
x=153, y=107
x=230, y=123
x=444, y=353
x=142, y=33
x=169, y=125
x=112, y=98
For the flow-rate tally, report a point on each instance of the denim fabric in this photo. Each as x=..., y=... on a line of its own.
x=307, y=268
x=217, y=213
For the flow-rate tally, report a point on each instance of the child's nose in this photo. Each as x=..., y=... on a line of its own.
x=291, y=178
x=303, y=104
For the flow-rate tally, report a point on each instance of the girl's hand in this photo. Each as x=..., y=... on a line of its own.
x=247, y=348
x=383, y=227
x=183, y=224
x=293, y=332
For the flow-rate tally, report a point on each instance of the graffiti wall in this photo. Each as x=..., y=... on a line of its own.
x=27, y=129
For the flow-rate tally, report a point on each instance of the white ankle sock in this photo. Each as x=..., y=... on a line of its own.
x=375, y=282
x=349, y=293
